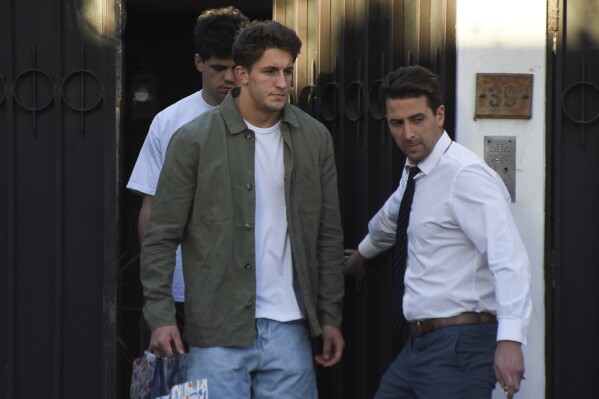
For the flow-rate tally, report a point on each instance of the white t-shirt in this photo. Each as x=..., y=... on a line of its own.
x=275, y=294
x=144, y=178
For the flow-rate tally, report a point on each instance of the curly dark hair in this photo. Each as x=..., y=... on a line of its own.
x=261, y=36
x=215, y=31
x=411, y=82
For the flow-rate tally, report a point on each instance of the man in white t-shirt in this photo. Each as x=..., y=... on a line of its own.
x=214, y=34
x=250, y=191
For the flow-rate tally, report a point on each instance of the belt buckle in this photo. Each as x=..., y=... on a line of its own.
x=419, y=327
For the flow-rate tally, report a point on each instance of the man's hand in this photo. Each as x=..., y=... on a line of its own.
x=509, y=366
x=163, y=339
x=355, y=265
x=332, y=348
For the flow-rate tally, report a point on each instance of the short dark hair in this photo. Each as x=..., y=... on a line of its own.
x=258, y=37
x=410, y=82
x=215, y=31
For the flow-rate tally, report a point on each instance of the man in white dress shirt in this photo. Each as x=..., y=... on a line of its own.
x=214, y=34
x=466, y=298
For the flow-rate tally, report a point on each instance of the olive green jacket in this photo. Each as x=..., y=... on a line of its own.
x=206, y=200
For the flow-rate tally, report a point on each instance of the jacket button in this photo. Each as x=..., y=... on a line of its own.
x=248, y=136
x=249, y=187
x=248, y=266
x=247, y=226
x=249, y=305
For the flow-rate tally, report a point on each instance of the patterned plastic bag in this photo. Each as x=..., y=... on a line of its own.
x=197, y=389
x=148, y=380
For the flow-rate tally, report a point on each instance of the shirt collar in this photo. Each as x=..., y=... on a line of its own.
x=428, y=163
x=235, y=122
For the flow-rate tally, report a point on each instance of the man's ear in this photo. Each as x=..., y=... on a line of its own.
x=440, y=116
x=198, y=62
x=241, y=75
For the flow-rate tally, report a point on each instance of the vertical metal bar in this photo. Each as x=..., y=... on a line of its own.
x=34, y=90
x=448, y=63
x=324, y=43
x=583, y=102
x=382, y=122
x=411, y=31
x=360, y=122
x=57, y=368
x=436, y=27
x=398, y=36
x=111, y=65
x=278, y=11
x=302, y=30
x=334, y=47
x=424, y=29
x=82, y=90
x=360, y=32
x=10, y=201
x=555, y=184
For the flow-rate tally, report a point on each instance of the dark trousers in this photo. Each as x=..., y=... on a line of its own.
x=450, y=363
x=144, y=330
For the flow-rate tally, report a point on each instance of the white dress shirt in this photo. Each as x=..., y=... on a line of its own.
x=464, y=251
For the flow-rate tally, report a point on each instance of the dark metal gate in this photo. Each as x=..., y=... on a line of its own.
x=573, y=198
x=348, y=47
x=58, y=198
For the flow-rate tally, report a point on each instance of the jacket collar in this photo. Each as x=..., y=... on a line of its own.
x=234, y=120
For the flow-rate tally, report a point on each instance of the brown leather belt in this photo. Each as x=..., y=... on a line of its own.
x=421, y=327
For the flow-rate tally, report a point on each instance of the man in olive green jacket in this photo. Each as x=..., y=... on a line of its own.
x=250, y=191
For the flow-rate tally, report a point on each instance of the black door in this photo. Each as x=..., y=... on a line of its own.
x=573, y=198
x=58, y=196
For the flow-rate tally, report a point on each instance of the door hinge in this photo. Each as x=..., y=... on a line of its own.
x=552, y=269
x=553, y=22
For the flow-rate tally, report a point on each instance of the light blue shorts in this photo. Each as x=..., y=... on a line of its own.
x=278, y=365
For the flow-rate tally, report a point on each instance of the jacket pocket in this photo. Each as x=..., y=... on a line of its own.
x=213, y=198
x=309, y=190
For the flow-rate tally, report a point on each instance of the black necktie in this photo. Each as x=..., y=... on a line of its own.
x=400, y=252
